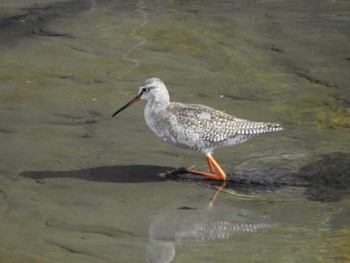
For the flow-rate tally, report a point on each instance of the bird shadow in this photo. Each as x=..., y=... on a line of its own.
x=142, y=174
x=133, y=174
x=112, y=174
x=126, y=174
x=326, y=179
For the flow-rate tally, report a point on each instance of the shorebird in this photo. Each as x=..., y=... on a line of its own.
x=193, y=126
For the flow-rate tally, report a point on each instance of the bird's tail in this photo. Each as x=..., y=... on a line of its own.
x=256, y=128
x=273, y=127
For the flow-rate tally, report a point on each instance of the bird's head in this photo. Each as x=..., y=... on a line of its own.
x=152, y=89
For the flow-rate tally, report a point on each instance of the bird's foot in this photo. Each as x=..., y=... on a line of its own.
x=221, y=176
x=174, y=172
x=212, y=176
x=216, y=173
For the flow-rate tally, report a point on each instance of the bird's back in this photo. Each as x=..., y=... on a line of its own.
x=212, y=128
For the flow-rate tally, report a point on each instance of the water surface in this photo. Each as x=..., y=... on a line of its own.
x=79, y=186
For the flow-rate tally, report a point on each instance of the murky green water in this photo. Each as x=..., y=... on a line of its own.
x=79, y=186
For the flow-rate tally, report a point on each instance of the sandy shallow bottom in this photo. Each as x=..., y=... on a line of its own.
x=79, y=186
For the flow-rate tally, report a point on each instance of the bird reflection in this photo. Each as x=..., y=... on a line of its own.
x=210, y=222
x=218, y=190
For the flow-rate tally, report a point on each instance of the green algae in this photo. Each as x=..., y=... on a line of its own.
x=335, y=113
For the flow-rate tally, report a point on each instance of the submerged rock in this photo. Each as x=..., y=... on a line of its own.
x=328, y=176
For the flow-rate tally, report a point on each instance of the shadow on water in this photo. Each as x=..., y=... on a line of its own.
x=151, y=173
x=146, y=174
x=113, y=174
x=326, y=178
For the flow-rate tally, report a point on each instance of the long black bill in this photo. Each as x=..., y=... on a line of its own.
x=133, y=101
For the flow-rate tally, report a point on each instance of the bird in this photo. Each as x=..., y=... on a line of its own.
x=193, y=126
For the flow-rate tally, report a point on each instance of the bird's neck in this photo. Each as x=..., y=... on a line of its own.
x=156, y=106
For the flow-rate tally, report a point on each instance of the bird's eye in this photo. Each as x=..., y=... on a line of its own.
x=145, y=89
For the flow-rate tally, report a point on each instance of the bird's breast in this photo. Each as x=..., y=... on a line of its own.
x=158, y=121
x=166, y=127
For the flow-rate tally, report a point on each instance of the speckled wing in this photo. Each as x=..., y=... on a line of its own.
x=215, y=126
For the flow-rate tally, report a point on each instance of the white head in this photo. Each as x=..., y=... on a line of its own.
x=153, y=90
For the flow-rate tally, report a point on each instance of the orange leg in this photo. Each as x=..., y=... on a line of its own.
x=216, y=172
x=210, y=165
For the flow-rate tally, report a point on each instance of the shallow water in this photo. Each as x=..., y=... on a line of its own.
x=79, y=186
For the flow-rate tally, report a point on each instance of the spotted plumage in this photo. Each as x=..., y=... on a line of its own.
x=195, y=127
x=215, y=128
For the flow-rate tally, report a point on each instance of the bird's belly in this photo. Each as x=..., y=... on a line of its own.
x=170, y=133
